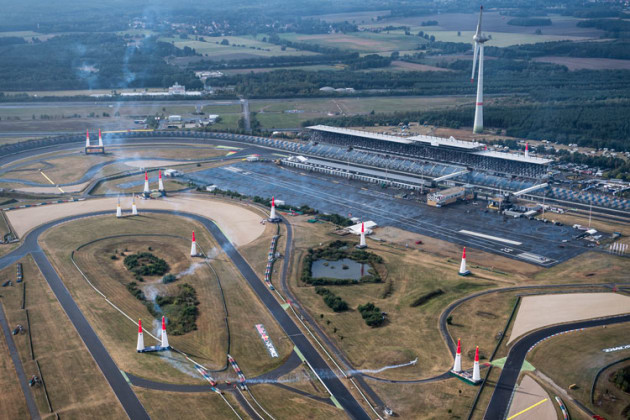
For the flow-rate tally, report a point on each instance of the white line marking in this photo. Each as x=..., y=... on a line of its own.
x=492, y=238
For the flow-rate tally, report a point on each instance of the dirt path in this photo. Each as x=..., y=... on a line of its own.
x=240, y=225
x=539, y=311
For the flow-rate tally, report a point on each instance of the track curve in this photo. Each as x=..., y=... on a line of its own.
x=121, y=388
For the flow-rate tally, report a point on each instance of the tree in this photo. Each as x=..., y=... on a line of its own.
x=225, y=42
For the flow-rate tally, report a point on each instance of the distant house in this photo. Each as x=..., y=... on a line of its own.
x=177, y=89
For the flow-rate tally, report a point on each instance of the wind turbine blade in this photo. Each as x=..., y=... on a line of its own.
x=478, y=33
x=475, y=54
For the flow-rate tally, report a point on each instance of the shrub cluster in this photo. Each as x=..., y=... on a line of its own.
x=146, y=264
x=426, y=297
x=181, y=310
x=621, y=378
x=333, y=252
x=333, y=301
x=336, y=219
x=169, y=278
x=372, y=314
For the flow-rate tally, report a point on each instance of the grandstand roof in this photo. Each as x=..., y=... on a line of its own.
x=450, y=142
x=515, y=157
x=463, y=146
x=366, y=134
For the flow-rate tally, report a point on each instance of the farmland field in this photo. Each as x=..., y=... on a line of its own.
x=579, y=63
x=238, y=48
x=365, y=42
x=562, y=26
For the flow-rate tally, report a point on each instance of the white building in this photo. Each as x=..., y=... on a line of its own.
x=177, y=89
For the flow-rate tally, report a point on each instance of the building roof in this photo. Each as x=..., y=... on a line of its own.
x=450, y=142
x=515, y=157
x=464, y=146
x=365, y=134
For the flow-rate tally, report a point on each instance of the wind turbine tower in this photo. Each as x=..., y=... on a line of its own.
x=479, y=39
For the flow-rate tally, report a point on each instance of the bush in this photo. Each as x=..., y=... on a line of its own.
x=146, y=264
x=169, y=278
x=621, y=379
x=333, y=301
x=426, y=297
x=133, y=289
x=372, y=314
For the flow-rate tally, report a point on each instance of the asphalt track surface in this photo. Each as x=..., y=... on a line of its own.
x=500, y=401
x=120, y=386
x=450, y=344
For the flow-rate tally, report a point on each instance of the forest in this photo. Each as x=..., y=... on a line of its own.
x=106, y=61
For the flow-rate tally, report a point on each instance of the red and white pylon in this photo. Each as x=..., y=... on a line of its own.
x=272, y=215
x=457, y=366
x=193, y=246
x=87, y=138
x=160, y=183
x=146, y=190
x=462, y=267
x=164, y=336
x=526, y=149
x=100, y=138
x=476, y=374
x=140, y=346
x=362, y=243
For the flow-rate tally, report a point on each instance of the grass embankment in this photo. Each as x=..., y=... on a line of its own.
x=164, y=405
x=76, y=386
x=582, y=356
x=284, y=404
x=409, y=331
x=208, y=343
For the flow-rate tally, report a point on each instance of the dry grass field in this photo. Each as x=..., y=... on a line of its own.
x=12, y=402
x=208, y=344
x=71, y=167
x=410, y=332
x=284, y=404
x=163, y=405
x=582, y=356
x=76, y=387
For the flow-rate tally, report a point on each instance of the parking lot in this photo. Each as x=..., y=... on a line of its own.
x=466, y=224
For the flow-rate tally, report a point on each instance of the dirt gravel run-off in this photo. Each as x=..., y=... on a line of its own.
x=528, y=393
x=240, y=225
x=154, y=163
x=539, y=311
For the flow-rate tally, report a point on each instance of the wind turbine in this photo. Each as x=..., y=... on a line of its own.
x=479, y=39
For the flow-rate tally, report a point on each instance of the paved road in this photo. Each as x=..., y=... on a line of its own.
x=500, y=401
x=121, y=388
x=19, y=369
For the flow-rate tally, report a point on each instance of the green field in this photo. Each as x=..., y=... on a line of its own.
x=240, y=47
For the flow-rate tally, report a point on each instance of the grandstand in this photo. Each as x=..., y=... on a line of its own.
x=450, y=151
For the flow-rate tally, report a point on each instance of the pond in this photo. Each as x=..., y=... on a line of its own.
x=335, y=269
